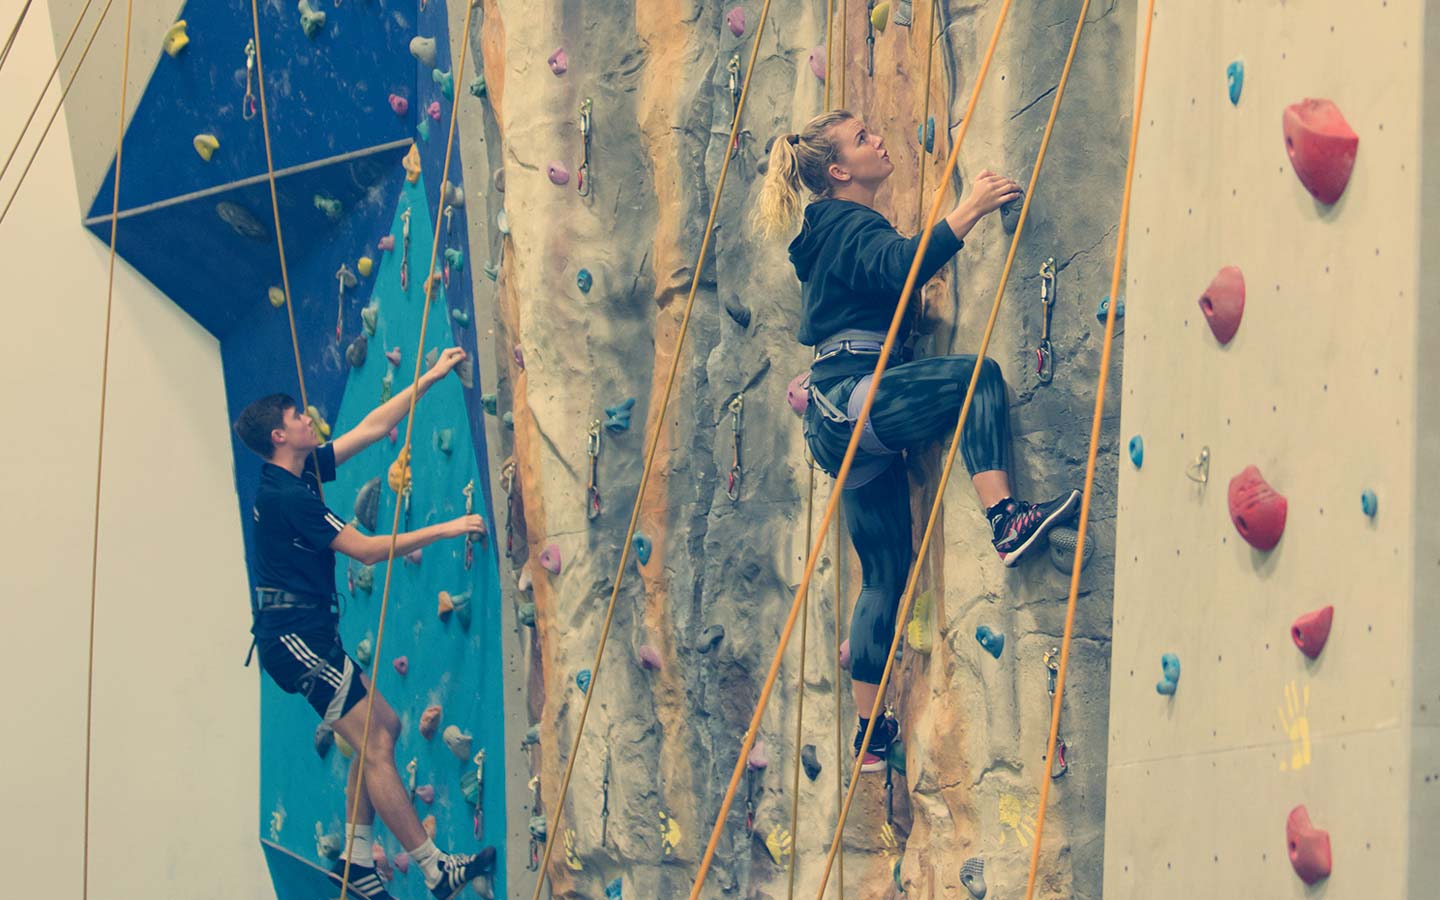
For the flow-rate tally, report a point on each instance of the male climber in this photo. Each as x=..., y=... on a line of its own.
x=297, y=619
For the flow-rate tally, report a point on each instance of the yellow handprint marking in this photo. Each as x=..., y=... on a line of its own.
x=572, y=859
x=779, y=843
x=1295, y=723
x=1014, y=817
x=887, y=838
x=669, y=834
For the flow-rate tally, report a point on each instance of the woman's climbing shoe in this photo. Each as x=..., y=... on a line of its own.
x=364, y=883
x=886, y=731
x=1018, y=526
x=459, y=869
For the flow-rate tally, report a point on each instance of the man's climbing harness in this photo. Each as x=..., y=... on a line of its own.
x=582, y=181
x=592, y=491
x=405, y=250
x=1058, y=765
x=247, y=105
x=732, y=483
x=1045, y=354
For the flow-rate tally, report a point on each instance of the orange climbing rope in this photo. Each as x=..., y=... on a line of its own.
x=10, y=41
x=55, y=112
x=839, y=560
x=45, y=88
x=659, y=419
x=800, y=702
x=1094, y=448
x=404, y=455
x=100, y=452
x=914, y=577
x=925, y=115
x=843, y=54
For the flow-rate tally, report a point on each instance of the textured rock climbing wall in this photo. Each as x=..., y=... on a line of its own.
x=975, y=726
x=1326, y=390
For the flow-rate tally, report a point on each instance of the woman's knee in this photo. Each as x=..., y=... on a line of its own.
x=990, y=371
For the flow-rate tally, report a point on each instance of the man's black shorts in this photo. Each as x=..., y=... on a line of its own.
x=316, y=666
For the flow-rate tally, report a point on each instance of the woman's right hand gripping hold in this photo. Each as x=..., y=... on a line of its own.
x=988, y=193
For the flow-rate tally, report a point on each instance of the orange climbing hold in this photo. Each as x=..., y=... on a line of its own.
x=1223, y=303
x=1257, y=509
x=1321, y=146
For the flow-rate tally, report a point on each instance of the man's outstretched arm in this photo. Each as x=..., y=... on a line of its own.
x=387, y=415
x=369, y=549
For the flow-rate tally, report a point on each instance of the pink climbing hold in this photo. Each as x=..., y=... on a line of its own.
x=1321, y=146
x=1223, y=303
x=402, y=862
x=845, y=655
x=797, y=394
x=430, y=721
x=759, y=757
x=433, y=110
x=649, y=658
x=382, y=863
x=386, y=243
x=559, y=61
x=402, y=664
x=426, y=792
x=394, y=435
x=393, y=356
x=399, y=104
x=817, y=62
x=735, y=19
x=1312, y=630
x=519, y=355
x=1309, y=846
x=557, y=173
x=550, y=558
x=1257, y=509
x=414, y=556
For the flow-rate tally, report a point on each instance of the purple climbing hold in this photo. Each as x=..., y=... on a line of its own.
x=386, y=243
x=402, y=664
x=519, y=357
x=433, y=110
x=798, y=394
x=817, y=62
x=399, y=104
x=558, y=173
x=393, y=356
x=649, y=658
x=559, y=62
x=759, y=757
x=550, y=558
x=413, y=557
x=426, y=792
x=735, y=19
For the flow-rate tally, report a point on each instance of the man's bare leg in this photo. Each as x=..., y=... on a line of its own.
x=383, y=791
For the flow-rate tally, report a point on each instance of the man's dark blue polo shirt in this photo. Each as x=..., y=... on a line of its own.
x=293, y=532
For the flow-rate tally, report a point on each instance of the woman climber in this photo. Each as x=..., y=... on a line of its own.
x=852, y=266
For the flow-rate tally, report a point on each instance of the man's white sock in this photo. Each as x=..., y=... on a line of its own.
x=427, y=857
x=359, y=839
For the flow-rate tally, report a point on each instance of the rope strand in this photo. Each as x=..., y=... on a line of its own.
x=10, y=41
x=49, y=79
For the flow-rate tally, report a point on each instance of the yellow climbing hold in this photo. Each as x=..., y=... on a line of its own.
x=365, y=265
x=206, y=145
x=428, y=823
x=779, y=843
x=412, y=164
x=880, y=16
x=318, y=423
x=572, y=859
x=446, y=605
x=669, y=834
x=176, y=38
x=918, y=634
x=277, y=297
x=400, y=471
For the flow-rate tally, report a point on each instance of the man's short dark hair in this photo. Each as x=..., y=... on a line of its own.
x=260, y=418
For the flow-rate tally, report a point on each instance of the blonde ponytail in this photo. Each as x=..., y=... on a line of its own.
x=796, y=161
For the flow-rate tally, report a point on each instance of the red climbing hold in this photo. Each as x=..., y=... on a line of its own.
x=797, y=394
x=845, y=655
x=1322, y=147
x=399, y=104
x=1312, y=630
x=1223, y=303
x=1257, y=510
x=1309, y=846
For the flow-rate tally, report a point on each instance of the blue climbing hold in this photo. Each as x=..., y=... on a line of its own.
x=617, y=418
x=993, y=641
x=1137, y=451
x=925, y=134
x=1369, y=503
x=642, y=546
x=490, y=402
x=1103, y=309
x=612, y=890
x=1235, y=77
x=582, y=680
x=584, y=280
x=1170, y=668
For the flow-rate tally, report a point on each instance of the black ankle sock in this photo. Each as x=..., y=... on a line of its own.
x=1002, y=506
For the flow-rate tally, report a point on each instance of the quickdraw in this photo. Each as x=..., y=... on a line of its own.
x=405, y=250
x=605, y=801
x=479, y=761
x=507, y=482
x=445, y=273
x=247, y=106
x=536, y=837
x=469, y=492
x=732, y=485
x=736, y=89
x=346, y=279
x=582, y=182
x=592, y=491
x=1199, y=470
x=1058, y=766
x=749, y=801
x=410, y=769
x=1044, y=354
x=870, y=39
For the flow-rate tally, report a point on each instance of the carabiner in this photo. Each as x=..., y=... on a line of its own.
x=592, y=491
x=1045, y=362
x=582, y=182
x=732, y=485
x=247, y=106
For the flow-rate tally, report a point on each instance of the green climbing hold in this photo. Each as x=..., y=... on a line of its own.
x=477, y=85
x=880, y=16
x=370, y=317
x=532, y=736
x=490, y=403
x=387, y=386
x=461, y=317
x=311, y=19
x=446, y=82
x=365, y=651
x=331, y=207
x=470, y=787
x=365, y=576
x=455, y=258
x=357, y=351
x=492, y=271
x=526, y=615
x=445, y=440
x=422, y=128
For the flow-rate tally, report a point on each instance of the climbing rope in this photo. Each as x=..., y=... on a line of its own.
x=1095, y=425
x=279, y=233
x=907, y=596
x=100, y=454
x=404, y=456
x=843, y=54
x=839, y=694
x=800, y=702
x=659, y=419
x=829, y=47
x=10, y=41
x=926, y=135
x=55, y=112
x=49, y=79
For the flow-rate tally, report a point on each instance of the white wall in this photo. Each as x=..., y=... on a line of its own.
x=175, y=754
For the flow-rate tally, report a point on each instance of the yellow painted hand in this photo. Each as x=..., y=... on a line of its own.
x=1013, y=818
x=669, y=834
x=572, y=859
x=1295, y=723
x=779, y=843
